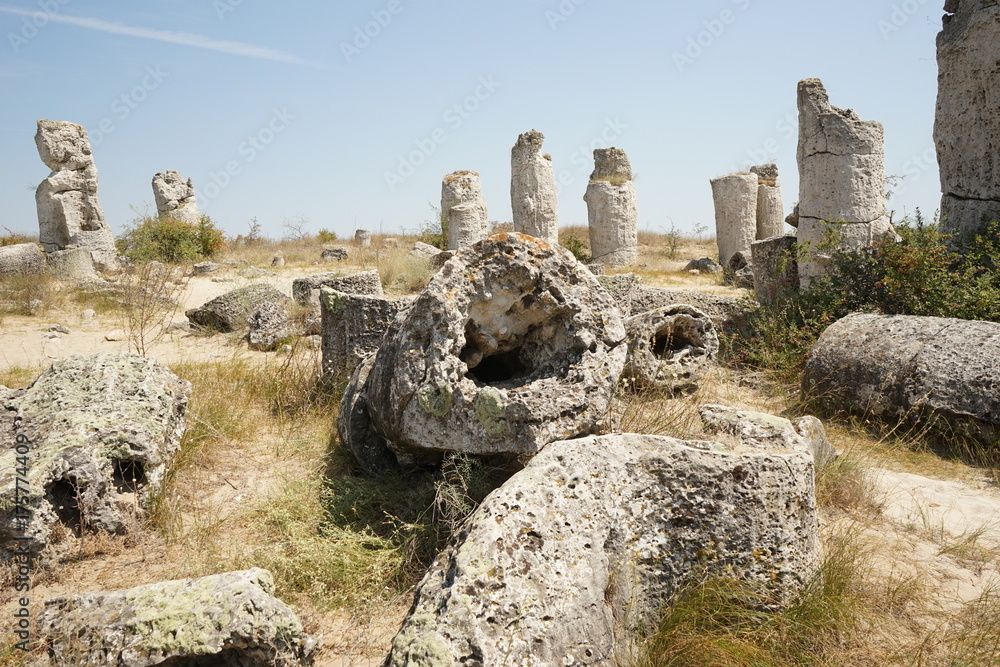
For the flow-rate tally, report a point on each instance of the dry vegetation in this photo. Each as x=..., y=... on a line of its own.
x=263, y=481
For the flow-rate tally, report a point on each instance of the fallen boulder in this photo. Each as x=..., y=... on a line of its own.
x=512, y=345
x=764, y=432
x=231, y=311
x=941, y=371
x=353, y=326
x=230, y=619
x=21, y=259
x=354, y=425
x=100, y=431
x=563, y=563
x=669, y=347
x=269, y=324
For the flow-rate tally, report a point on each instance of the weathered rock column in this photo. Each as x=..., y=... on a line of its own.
x=735, y=198
x=175, y=197
x=69, y=215
x=967, y=125
x=611, y=209
x=533, y=189
x=770, y=212
x=461, y=190
x=841, y=162
x=363, y=238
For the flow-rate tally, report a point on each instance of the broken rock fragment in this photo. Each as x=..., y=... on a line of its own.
x=669, y=347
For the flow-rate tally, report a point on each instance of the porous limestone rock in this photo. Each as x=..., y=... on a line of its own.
x=231, y=311
x=841, y=161
x=175, y=197
x=69, y=214
x=764, y=432
x=738, y=272
x=533, y=199
x=204, y=268
x=703, y=265
x=669, y=347
x=21, y=259
x=931, y=370
x=770, y=210
x=463, y=209
x=967, y=125
x=100, y=431
x=579, y=550
x=363, y=238
x=722, y=308
x=230, y=620
x=336, y=254
x=305, y=291
x=611, y=209
x=735, y=197
x=512, y=345
x=425, y=252
x=775, y=268
x=354, y=425
x=269, y=323
x=278, y=261
x=353, y=326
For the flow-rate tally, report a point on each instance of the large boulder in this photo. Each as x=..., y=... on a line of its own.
x=21, y=259
x=100, y=431
x=764, y=432
x=563, y=563
x=229, y=620
x=670, y=347
x=269, y=324
x=512, y=345
x=354, y=425
x=231, y=311
x=917, y=369
x=967, y=124
x=353, y=326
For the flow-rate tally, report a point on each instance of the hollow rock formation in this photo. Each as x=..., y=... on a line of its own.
x=69, y=214
x=669, y=347
x=533, y=189
x=611, y=209
x=229, y=620
x=100, y=430
x=512, y=345
x=909, y=368
x=841, y=161
x=564, y=562
x=175, y=197
x=463, y=209
x=967, y=123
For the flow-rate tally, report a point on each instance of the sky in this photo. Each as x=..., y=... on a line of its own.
x=343, y=115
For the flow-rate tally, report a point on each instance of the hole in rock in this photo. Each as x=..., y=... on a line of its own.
x=499, y=368
x=62, y=494
x=129, y=476
x=668, y=340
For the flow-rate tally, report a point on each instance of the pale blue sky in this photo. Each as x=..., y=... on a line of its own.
x=281, y=110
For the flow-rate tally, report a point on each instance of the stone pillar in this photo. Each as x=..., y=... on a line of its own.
x=69, y=215
x=533, y=189
x=841, y=180
x=967, y=125
x=735, y=198
x=775, y=269
x=175, y=197
x=770, y=212
x=611, y=209
x=461, y=189
x=363, y=238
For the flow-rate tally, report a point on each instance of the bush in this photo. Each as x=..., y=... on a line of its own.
x=326, y=236
x=435, y=231
x=167, y=239
x=577, y=247
x=926, y=273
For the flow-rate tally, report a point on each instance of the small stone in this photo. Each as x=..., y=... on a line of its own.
x=285, y=350
x=88, y=314
x=338, y=254
x=115, y=336
x=278, y=261
x=203, y=268
x=59, y=327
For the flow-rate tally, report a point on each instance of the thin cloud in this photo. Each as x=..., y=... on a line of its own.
x=171, y=37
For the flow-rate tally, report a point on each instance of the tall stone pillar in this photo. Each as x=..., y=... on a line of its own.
x=611, y=209
x=533, y=189
x=461, y=190
x=175, y=197
x=735, y=198
x=770, y=211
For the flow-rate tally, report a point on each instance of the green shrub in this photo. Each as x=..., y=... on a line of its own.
x=577, y=247
x=435, y=231
x=926, y=272
x=326, y=236
x=167, y=239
